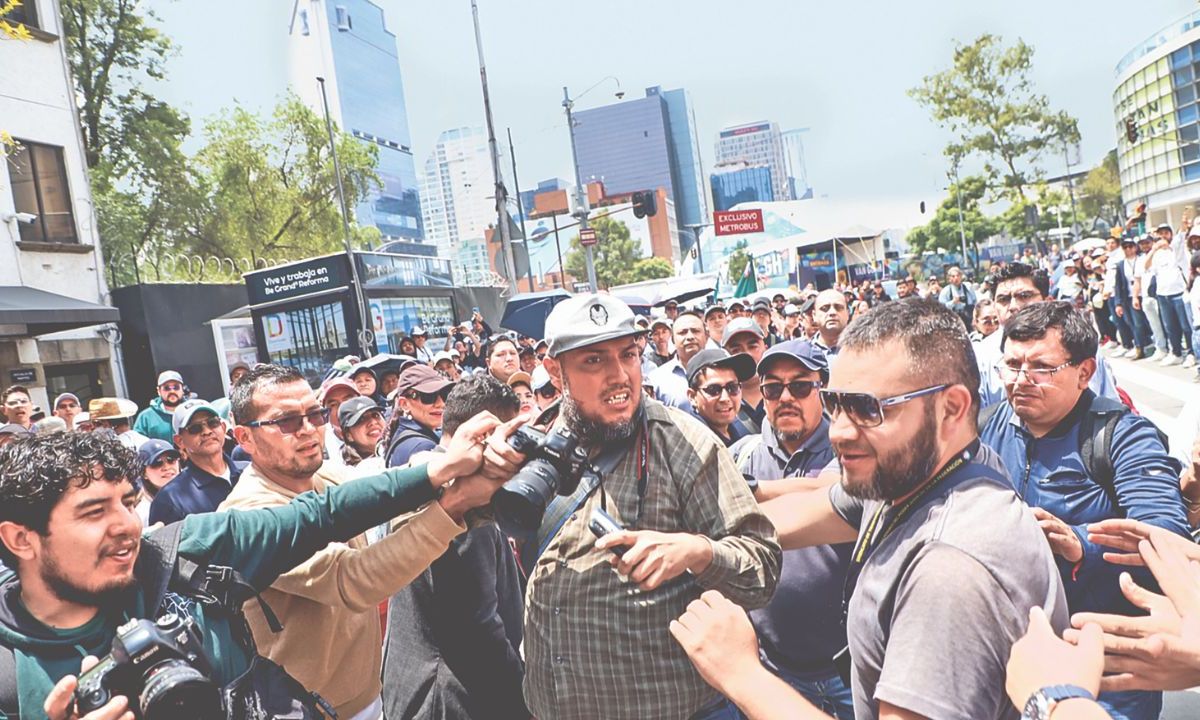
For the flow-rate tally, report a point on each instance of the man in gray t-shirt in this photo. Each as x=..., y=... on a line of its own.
x=948, y=560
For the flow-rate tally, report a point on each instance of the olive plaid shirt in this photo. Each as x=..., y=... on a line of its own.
x=596, y=646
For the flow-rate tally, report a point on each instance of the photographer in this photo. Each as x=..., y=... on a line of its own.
x=68, y=527
x=594, y=639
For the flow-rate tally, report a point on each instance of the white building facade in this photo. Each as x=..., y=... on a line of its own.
x=457, y=206
x=57, y=332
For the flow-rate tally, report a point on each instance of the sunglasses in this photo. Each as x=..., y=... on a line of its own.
x=799, y=389
x=429, y=398
x=864, y=409
x=196, y=428
x=171, y=387
x=290, y=424
x=714, y=390
x=163, y=460
x=546, y=391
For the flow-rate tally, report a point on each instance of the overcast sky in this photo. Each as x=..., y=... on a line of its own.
x=840, y=69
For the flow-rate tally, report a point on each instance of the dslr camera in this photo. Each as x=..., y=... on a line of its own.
x=554, y=465
x=160, y=666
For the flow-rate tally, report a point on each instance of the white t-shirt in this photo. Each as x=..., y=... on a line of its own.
x=1168, y=279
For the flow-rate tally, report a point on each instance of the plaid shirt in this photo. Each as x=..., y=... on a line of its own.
x=599, y=647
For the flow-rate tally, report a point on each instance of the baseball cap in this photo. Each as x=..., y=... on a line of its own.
x=65, y=396
x=741, y=364
x=808, y=304
x=418, y=330
x=443, y=355
x=184, y=413
x=713, y=308
x=337, y=382
x=741, y=325
x=520, y=377
x=803, y=351
x=1098, y=252
x=1128, y=241
x=1163, y=226
x=737, y=304
x=791, y=309
x=14, y=429
x=111, y=408
x=642, y=322
x=352, y=411
x=82, y=418
x=360, y=369
x=588, y=319
x=539, y=379
x=761, y=304
x=1195, y=230
x=153, y=449
x=660, y=321
x=167, y=376
x=421, y=378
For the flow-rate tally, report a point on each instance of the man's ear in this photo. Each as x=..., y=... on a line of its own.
x=553, y=368
x=244, y=437
x=1087, y=369
x=19, y=540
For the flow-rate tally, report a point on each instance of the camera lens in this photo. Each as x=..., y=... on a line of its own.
x=522, y=501
x=177, y=691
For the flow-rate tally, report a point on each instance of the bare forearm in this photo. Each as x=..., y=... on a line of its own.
x=763, y=696
x=805, y=519
x=771, y=489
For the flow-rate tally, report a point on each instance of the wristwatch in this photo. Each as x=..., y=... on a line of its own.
x=1041, y=703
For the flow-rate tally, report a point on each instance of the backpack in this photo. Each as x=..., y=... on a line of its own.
x=265, y=691
x=1095, y=441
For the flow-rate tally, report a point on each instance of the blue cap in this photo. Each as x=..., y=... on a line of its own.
x=803, y=351
x=153, y=449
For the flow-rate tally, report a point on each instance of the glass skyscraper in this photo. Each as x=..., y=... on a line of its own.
x=758, y=143
x=347, y=42
x=739, y=183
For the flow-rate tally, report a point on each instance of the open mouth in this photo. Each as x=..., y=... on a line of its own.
x=617, y=399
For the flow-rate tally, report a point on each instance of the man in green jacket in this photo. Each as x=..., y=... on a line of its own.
x=155, y=420
x=69, y=530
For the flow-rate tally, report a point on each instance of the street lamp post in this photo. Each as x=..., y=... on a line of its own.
x=696, y=237
x=962, y=231
x=581, y=199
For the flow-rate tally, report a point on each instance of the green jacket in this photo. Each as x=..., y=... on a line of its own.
x=155, y=422
x=260, y=544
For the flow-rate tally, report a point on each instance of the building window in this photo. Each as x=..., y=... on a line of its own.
x=23, y=14
x=303, y=22
x=343, y=18
x=39, y=186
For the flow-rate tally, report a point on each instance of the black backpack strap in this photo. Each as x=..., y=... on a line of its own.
x=220, y=586
x=1096, y=431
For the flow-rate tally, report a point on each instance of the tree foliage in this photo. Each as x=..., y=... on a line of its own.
x=942, y=230
x=1100, y=192
x=617, y=256
x=986, y=99
x=738, y=260
x=652, y=268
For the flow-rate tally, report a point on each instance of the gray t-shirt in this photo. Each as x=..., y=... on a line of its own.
x=943, y=597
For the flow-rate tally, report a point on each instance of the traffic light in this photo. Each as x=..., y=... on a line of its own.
x=922, y=207
x=1131, y=130
x=645, y=204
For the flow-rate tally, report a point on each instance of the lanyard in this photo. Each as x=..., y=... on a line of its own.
x=868, y=541
x=643, y=463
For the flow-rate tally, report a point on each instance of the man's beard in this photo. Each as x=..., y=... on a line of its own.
x=67, y=590
x=903, y=470
x=592, y=432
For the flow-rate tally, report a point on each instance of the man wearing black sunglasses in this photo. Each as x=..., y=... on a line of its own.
x=948, y=561
x=208, y=475
x=715, y=390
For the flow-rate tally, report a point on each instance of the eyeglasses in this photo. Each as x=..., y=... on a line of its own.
x=714, y=390
x=1036, y=376
x=171, y=387
x=541, y=356
x=864, y=409
x=17, y=401
x=989, y=321
x=799, y=389
x=211, y=423
x=1026, y=296
x=429, y=398
x=163, y=460
x=290, y=424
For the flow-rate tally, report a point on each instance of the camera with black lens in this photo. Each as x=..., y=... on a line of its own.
x=554, y=465
x=160, y=666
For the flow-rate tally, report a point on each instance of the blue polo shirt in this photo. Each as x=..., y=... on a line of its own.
x=801, y=629
x=193, y=491
x=670, y=385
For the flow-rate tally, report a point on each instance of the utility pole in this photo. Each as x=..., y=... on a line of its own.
x=1070, y=189
x=696, y=238
x=510, y=272
x=366, y=333
x=512, y=153
x=962, y=231
x=581, y=198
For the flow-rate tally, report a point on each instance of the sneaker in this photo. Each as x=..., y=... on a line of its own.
x=1110, y=344
x=1165, y=359
x=1172, y=360
x=1189, y=361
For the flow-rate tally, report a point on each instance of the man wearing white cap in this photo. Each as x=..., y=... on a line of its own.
x=545, y=392
x=66, y=406
x=594, y=643
x=155, y=420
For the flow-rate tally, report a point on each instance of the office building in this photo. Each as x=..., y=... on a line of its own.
x=1157, y=121
x=740, y=182
x=347, y=43
x=795, y=165
x=550, y=185
x=644, y=144
x=57, y=328
x=758, y=143
x=457, y=203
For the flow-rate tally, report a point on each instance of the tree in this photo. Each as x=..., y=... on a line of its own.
x=615, y=254
x=987, y=100
x=652, y=268
x=942, y=230
x=1100, y=192
x=738, y=260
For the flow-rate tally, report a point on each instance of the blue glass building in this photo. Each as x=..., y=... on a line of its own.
x=741, y=183
x=347, y=42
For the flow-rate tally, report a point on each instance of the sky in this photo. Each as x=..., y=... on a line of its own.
x=841, y=69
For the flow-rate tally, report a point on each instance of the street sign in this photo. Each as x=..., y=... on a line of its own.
x=587, y=237
x=738, y=222
x=22, y=376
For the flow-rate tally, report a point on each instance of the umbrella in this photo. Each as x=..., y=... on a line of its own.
x=685, y=289
x=636, y=303
x=526, y=313
x=1088, y=244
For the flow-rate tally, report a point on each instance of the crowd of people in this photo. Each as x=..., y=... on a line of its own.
x=824, y=503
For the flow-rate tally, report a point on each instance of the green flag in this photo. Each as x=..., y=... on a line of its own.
x=748, y=285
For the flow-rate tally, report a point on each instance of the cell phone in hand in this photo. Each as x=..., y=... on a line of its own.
x=602, y=524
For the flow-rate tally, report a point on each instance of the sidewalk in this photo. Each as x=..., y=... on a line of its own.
x=1166, y=395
